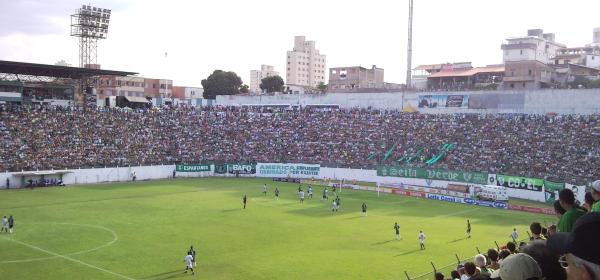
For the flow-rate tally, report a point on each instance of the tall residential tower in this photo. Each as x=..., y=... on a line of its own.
x=305, y=65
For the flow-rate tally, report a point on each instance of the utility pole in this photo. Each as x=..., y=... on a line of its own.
x=409, y=50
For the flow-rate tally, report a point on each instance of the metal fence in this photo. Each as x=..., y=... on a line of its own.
x=446, y=269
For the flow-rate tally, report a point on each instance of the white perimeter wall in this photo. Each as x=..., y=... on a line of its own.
x=105, y=175
x=389, y=100
x=560, y=101
x=121, y=174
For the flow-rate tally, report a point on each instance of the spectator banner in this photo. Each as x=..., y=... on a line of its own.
x=288, y=169
x=443, y=101
x=551, y=190
x=523, y=183
x=433, y=174
x=579, y=192
x=220, y=168
x=415, y=189
x=531, y=209
x=458, y=188
x=553, y=185
x=409, y=193
x=241, y=168
x=192, y=168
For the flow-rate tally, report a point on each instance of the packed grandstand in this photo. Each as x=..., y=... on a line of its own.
x=560, y=147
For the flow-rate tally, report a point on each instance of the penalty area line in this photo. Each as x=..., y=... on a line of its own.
x=69, y=259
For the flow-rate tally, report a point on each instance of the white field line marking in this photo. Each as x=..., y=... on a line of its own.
x=69, y=259
x=114, y=234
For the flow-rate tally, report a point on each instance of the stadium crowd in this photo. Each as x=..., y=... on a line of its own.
x=36, y=138
x=569, y=253
x=538, y=146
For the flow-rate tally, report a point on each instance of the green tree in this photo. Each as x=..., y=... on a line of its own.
x=244, y=88
x=322, y=87
x=595, y=83
x=580, y=80
x=221, y=83
x=272, y=84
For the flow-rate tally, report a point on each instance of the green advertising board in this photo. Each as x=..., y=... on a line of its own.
x=523, y=183
x=192, y=168
x=235, y=168
x=433, y=174
x=241, y=168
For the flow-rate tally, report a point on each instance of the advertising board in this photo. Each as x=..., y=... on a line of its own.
x=493, y=204
x=531, y=209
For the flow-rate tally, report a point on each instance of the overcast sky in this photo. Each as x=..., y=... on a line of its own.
x=240, y=35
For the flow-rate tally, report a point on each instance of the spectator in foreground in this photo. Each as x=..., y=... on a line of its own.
x=454, y=275
x=470, y=271
x=480, y=277
x=504, y=253
x=522, y=244
x=439, y=276
x=588, y=202
x=551, y=230
x=480, y=262
x=580, y=248
x=512, y=247
x=566, y=197
x=493, y=256
x=559, y=210
x=518, y=267
x=536, y=231
x=548, y=262
x=596, y=196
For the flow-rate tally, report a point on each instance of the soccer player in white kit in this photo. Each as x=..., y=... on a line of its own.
x=422, y=239
x=265, y=189
x=515, y=235
x=189, y=263
x=4, y=224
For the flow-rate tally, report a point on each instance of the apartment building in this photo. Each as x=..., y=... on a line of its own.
x=256, y=77
x=305, y=64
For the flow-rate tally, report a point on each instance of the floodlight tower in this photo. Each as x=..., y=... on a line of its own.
x=409, y=49
x=89, y=24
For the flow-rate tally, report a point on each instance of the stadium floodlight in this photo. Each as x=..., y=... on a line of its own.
x=89, y=24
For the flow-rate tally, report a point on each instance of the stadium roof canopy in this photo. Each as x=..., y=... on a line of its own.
x=35, y=69
x=41, y=173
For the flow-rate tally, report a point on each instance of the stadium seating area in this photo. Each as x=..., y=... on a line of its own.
x=546, y=253
x=526, y=145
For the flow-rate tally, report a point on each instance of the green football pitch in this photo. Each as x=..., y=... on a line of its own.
x=142, y=230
